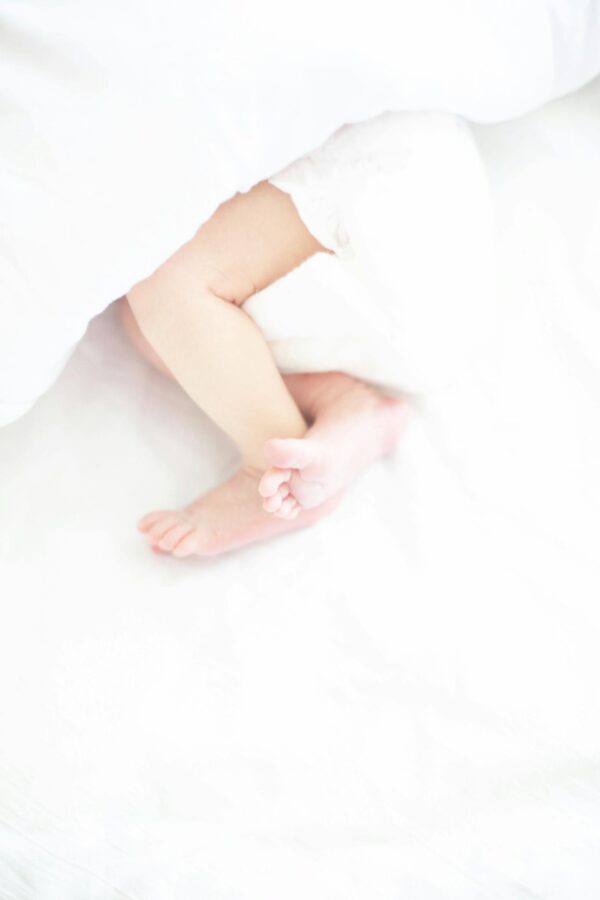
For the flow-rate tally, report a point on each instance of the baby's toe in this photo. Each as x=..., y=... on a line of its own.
x=308, y=493
x=186, y=546
x=174, y=535
x=160, y=528
x=272, y=480
x=150, y=518
x=287, y=508
x=291, y=453
x=294, y=511
x=272, y=504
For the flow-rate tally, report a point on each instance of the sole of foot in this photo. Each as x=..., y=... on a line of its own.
x=229, y=517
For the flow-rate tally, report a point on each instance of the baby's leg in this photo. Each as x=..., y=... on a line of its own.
x=350, y=426
x=303, y=387
x=189, y=311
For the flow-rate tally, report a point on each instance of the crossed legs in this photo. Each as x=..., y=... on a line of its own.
x=350, y=425
x=187, y=319
x=190, y=309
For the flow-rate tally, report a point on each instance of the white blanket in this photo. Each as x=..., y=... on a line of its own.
x=124, y=125
x=400, y=702
x=411, y=294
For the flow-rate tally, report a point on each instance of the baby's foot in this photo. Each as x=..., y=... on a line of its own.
x=358, y=426
x=227, y=517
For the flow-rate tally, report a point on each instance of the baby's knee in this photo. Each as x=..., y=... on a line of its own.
x=229, y=286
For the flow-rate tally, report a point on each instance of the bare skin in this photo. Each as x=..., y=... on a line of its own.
x=190, y=312
x=350, y=425
x=190, y=309
x=355, y=427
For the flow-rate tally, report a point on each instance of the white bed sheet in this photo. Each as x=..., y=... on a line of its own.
x=400, y=701
x=124, y=126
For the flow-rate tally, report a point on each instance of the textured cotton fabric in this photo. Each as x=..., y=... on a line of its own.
x=124, y=125
x=397, y=702
x=403, y=201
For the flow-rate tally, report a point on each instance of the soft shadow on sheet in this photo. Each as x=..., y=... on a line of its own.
x=398, y=701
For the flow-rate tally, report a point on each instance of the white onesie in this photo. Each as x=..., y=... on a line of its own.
x=117, y=142
x=403, y=201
